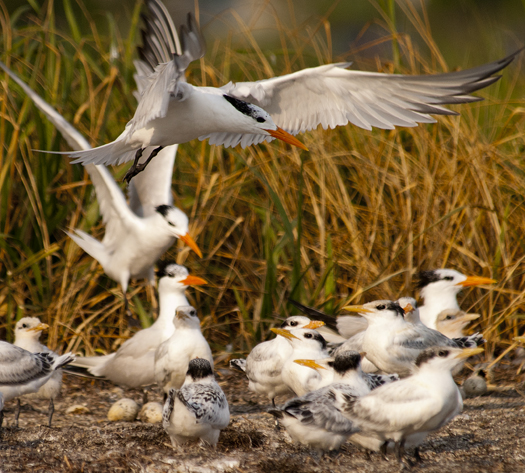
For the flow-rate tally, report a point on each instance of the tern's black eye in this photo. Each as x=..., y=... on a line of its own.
x=261, y=119
x=443, y=353
x=293, y=324
x=448, y=317
x=24, y=325
x=193, y=313
x=448, y=278
x=381, y=307
x=307, y=335
x=172, y=224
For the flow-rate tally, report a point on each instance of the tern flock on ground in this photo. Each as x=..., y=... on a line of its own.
x=383, y=379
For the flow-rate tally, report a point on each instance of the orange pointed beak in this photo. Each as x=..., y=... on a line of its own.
x=189, y=241
x=408, y=309
x=357, y=308
x=38, y=328
x=314, y=324
x=194, y=281
x=282, y=135
x=310, y=364
x=475, y=281
x=284, y=333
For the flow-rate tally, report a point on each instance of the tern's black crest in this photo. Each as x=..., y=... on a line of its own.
x=199, y=368
x=171, y=269
x=290, y=322
x=393, y=306
x=346, y=361
x=424, y=278
x=396, y=307
x=163, y=210
x=316, y=336
x=430, y=353
x=243, y=107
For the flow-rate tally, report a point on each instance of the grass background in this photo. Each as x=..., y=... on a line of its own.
x=348, y=222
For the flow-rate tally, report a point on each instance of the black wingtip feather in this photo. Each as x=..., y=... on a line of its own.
x=329, y=320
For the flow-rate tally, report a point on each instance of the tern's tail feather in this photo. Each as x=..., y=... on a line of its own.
x=116, y=152
x=238, y=364
x=82, y=372
x=278, y=413
x=90, y=245
x=470, y=341
x=63, y=360
x=93, y=364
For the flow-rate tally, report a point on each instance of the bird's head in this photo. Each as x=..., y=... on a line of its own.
x=445, y=358
x=255, y=120
x=443, y=282
x=29, y=327
x=378, y=311
x=302, y=338
x=199, y=368
x=173, y=276
x=300, y=321
x=186, y=316
x=177, y=222
x=451, y=322
x=409, y=306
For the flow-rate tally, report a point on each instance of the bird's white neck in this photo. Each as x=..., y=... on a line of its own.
x=168, y=303
x=436, y=302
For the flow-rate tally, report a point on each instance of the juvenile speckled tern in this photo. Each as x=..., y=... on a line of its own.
x=173, y=356
x=23, y=372
x=198, y=410
x=27, y=335
x=172, y=111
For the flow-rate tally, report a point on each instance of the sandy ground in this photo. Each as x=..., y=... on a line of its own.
x=489, y=436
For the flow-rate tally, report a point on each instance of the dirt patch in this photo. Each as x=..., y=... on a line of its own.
x=489, y=436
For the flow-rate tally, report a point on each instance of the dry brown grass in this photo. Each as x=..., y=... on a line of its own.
x=351, y=220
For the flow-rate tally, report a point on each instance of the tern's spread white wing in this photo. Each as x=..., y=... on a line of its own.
x=167, y=81
x=71, y=135
x=332, y=96
x=150, y=189
x=113, y=206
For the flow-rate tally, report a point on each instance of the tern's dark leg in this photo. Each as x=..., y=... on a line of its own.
x=164, y=398
x=144, y=396
x=383, y=449
x=417, y=456
x=17, y=412
x=273, y=402
x=51, y=412
x=1, y=418
x=136, y=168
x=132, y=171
x=130, y=318
x=399, y=449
